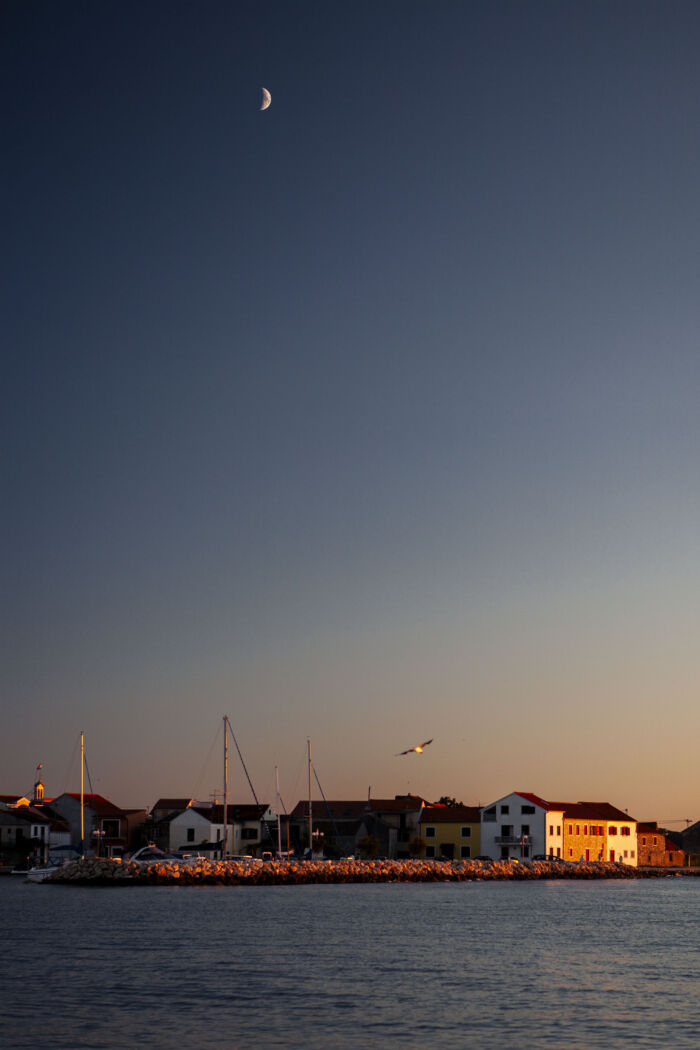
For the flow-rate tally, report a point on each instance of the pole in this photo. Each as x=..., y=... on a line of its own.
x=225, y=845
x=277, y=804
x=82, y=800
x=308, y=748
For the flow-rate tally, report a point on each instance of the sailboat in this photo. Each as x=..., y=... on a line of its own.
x=42, y=872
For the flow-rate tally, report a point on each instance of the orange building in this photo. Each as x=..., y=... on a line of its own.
x=656, y=850
x=598, y=831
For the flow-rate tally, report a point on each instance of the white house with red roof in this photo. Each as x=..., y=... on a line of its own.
x=201, y=827
x=521, y=825
x=105, y=825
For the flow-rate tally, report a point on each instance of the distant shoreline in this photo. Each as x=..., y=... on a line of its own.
x=235, y=873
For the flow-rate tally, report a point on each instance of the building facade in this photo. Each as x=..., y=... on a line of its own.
x=520, y=826
x=452, y=832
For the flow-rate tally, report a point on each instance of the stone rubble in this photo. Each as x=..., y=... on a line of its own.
x=100, y=871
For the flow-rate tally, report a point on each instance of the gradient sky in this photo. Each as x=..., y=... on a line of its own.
x=372, y=417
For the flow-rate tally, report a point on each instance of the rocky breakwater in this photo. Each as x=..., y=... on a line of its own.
x=236, y=873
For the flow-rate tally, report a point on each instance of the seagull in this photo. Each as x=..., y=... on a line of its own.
x=418, y=749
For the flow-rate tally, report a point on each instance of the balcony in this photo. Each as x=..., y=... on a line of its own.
x=512, y=840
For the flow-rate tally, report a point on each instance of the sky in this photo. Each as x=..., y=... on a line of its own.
x=368, y=418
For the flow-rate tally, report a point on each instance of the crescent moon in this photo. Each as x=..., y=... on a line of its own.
x=266, y=99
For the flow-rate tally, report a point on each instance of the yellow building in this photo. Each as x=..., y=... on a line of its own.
x=451, y=832
x=598, y=831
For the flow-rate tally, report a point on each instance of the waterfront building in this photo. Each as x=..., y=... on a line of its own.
x=346, y=826
x=200, y=827
x=656, y=849
x=453, y=832
x=105, y=825
x=598, y=831
x=521, y=825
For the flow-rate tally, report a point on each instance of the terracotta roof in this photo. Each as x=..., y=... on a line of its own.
x=340, y=810
x=171, y=803
x=353, y=809
x=450, y=815
x=400, y=804
x=98, y=803
x=235, y=812
x=593, y=811
x=537, y=801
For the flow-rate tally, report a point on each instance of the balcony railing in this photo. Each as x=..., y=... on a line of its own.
x=512, y=840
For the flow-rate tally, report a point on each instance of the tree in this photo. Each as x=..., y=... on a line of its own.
x=445, y=800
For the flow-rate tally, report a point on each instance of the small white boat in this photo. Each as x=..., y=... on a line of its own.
x=42, y=872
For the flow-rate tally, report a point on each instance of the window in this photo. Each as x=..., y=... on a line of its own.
x=110, y=828
x=585, y=829
x=505, y=809
x=571, y=853
x=466, y=833
x=631, y=853
x=558, y=829
x=624, y=831
x=190, y=834
x=559, y=852
x=644, y=842
x=430, y=851
x=430, y=833
x=625, y=852
x=490, y=814
x=578, y=829
x=551, y=829
x=612, y=831
x=571, y=829
x=525, y=829
x=529, y=810
x=465, y=851
x=249, y=833
x=506, y=831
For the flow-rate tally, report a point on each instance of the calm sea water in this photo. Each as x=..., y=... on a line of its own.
x=534, y=965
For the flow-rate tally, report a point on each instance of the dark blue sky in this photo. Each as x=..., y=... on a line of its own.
x=370, y=417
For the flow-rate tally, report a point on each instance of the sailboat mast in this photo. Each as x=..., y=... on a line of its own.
x=82, y=794
x=224, y=850
x=277, y=806
x=308, y=749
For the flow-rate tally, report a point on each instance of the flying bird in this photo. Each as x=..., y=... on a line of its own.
x=418, y=749
x=266, y=99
